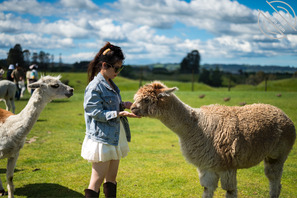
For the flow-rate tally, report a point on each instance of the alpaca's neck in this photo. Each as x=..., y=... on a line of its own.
x=178, y=116
x=29, y=115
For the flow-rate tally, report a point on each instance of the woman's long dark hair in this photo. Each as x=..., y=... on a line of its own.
x=108, y=53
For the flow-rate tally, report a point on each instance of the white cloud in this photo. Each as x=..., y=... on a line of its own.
x=83, y=56
x=12, y=24
x=32, y=7
x=212, y=15
x=106, y=29
x=292, y=39
x=150, y=13
x=79, y=4
x=81, y=27
x=33, y=41
x=63, y=28
x=3, y=53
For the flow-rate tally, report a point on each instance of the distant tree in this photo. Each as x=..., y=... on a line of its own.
x=26, y=54
x=191, y=63
x=60, y=60
x=242, y=76
x=42, y=64
x=260, y=76
x=41, y=57
x=255, y=79
x=211, y=77
x=160, y=70
x=81, y=66
x=216, y=77
x=204, y=76
x=47, y=61
x=3, y=63
x=35, y=58
x=15, y=55
x=52, y=62
x=128, y=72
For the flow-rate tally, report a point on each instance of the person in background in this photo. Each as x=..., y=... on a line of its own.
x=9, y=71
x=1, y=73
x=28, y=74
x=22, y=87
x=107, y=128
x=32, y=76
x=18, y=76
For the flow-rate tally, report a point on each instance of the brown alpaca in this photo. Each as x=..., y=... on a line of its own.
x=218, y=140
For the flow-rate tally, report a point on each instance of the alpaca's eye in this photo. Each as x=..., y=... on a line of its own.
x=55, y=86
x=146, y=100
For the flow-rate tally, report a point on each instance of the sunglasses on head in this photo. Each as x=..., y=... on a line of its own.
x=116, y=69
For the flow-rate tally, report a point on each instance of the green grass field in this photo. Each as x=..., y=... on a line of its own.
x=51, y=166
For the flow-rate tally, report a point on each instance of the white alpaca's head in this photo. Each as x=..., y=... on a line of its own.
x=150, y=99
x=52, y=87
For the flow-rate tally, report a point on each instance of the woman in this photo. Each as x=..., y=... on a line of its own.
x=107, y=128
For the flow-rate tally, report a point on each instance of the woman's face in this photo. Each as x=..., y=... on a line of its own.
x=109, y=71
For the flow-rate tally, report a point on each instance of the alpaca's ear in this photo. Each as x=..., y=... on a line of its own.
x=167, y=91
x=35, y=85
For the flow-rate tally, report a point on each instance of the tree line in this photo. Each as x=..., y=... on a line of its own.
x=189, y=70
x=25, y=58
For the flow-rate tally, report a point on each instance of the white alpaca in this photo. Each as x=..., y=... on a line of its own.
x=7, y=92
x=14, y=128
x=218, y=140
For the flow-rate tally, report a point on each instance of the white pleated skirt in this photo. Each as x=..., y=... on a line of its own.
x=94, y=151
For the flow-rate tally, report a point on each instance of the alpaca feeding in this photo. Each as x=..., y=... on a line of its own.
x=15, y=128
x=7, y=92
x=218, y=140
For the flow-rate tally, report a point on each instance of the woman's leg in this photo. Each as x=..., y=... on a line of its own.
x=110, y=186
x=99, y=172
x=112, y=172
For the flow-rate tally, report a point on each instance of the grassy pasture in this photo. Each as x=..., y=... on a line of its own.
x=51, y=166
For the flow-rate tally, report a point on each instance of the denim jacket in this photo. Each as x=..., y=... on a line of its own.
x=101, y=105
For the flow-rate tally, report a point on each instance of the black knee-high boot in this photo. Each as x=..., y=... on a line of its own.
x=91, y=194
x=110, y=190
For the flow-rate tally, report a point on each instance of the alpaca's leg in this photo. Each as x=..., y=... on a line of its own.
x=273, y=171
x=2, y=191
x=12, y=105
x=209, y=180
x=229, y=183
x=7, y=105
x=11, y=162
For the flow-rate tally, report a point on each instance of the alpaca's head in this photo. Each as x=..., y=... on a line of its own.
x=52, y=87
x=150, y=99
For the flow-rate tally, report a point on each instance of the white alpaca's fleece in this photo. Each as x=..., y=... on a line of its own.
x=14, y=128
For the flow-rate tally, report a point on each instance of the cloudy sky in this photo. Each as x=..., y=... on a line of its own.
x=151, y=31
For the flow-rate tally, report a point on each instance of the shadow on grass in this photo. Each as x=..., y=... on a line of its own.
x=46, y=190
x=60, y=101
x=3, y=170
x=42, y=120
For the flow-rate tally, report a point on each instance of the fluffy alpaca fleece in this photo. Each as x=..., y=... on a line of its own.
x=7, y=92
x=218, y=140
x=14, y=128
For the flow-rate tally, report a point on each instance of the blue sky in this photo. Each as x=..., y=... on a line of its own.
x=160, y=31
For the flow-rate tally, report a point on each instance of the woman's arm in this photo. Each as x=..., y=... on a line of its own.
x=128, y=114
x=93, y=105
x=127, y=105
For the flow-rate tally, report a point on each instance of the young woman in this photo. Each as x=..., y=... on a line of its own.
x=107, y=128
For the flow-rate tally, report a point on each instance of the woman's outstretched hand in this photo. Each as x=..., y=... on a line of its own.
x=128, y=114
